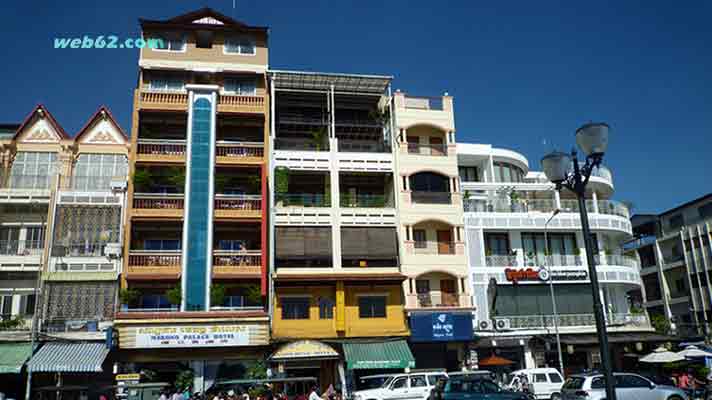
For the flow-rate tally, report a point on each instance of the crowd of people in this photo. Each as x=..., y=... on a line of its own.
x=264, y=393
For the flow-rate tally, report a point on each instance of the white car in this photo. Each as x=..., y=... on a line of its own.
x=544, y=383
x=410, y=386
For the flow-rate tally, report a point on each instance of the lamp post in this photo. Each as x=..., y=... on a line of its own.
x=592, y=139
x=551, y=289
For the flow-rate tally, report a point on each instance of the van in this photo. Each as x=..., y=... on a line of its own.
x=544, y=383
x=415, y=385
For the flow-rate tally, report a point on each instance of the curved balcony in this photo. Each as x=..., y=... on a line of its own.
x=617, y=321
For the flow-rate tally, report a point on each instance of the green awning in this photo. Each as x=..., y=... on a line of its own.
x=378, y=355
x=13, y=357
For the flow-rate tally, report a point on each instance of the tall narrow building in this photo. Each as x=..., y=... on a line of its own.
x=194, y=277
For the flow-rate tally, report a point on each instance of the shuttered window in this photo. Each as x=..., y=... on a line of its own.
x=303, y=247
x=369, y=247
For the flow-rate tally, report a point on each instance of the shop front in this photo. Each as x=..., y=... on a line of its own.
x=309, y=358
x=439, y=339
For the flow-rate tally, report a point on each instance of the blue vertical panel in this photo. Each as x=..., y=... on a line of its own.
x=198, y=213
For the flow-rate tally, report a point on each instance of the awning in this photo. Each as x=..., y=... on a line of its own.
x=378, y=355
x=69, y=357
x=13, y=357
x=304, y=350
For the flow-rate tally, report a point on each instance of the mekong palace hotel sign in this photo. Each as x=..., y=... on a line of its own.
x=194, y=335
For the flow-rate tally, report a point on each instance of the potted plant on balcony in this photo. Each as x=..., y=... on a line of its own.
x=217, y=295
x=176, y=176
x=143, y=180
x=515, y=201
x=281, y=184
x=174, y=296
x=318, y=137
x=128, y=298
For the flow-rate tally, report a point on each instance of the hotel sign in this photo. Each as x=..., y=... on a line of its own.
x=544, y=275
x=180, y=336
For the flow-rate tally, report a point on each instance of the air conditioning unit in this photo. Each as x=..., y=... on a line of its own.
x=502, y=324
x=112, y=250
x=118, y=186
x=484, y=325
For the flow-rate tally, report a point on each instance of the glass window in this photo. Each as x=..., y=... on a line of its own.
x=169, y=43
x=540, y=378
x=240, y=45
x=422, y=286
x=95, y=171
x=555, y=378
x=161, y=244
x=372, y=307
x=6, y=306
x=433, y=379
x=418, y=381
x=400, y=383
x=295, y=308
x=497, y=244
x=597, y=383
x=489, y=386
x=469, y=174
x=33, y=170
x=326, y=308
x=29, y=308
x=241, y=86
x=163, y=82
x=419, y=238
x=504, y=172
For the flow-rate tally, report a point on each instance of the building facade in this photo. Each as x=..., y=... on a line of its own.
x=675, y=255
x=516, y=244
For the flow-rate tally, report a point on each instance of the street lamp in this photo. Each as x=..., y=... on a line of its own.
x=551, y=289
x=592, y=139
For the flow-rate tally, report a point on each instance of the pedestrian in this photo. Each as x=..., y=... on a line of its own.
x=684, y=381
x=525, y=383
x=162, y=396
x=313, y=394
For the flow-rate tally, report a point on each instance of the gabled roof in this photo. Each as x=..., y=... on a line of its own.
x=205, y=18
x=50, y=118
x=94, y=117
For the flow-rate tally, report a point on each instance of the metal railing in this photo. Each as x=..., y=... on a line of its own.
x=507, y=206
x=433, y=247
x=424, y=103
x=172, y=201
x=501, y=261
x=21, y=247
x=365, y=200
x=150, y=258
x=431, y=197
x=612, y=207
x=619, y=259
x=574, y=320
x=175, y=97
x=303, y=199
x=603, y=172
x=300, y=144
x=438, y=299
x=427, y=149
x=553, y=260
x=237, y=258
x=79, y=249
x=151, y=310
x=161, y=147
x=28, y=182
x=239, y=149
x=243, y=202
x=362, y=146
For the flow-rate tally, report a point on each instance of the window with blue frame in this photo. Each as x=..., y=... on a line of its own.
x=154, y=301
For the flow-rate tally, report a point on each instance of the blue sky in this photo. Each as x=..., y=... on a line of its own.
x=524, y=74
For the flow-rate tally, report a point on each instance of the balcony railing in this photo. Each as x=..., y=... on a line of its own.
x=431, y=197
x=434, y=247
x=427, y=149
x=242, y=102
x=239, y=149
x=575, y=320
x=438, y=299
x=424, y=103
x=172, y=98
x=298, y=144
x=613, y=208
x=90, y=183
x=79, y=249
x=161, y=147
x=21, y=247
x=172, y=201
x=362, y=146
x=554, y=260
x=365, y=200
x=151, y=258
x=238, y=258
x=28, y=182
x=619, y=259
x=303, y=200
x=238, y=202
x=501, y=261
x=506, y=206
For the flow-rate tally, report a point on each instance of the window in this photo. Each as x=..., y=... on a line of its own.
x=29, y=304
x=372, y=307
x=400, y=383
x=34, y=238
x=504, y=172
x=95, y=171
x=422, y=286
x=497, y=244
x=418, y=381
x=597, y=383
x=6, y=306
x=680, y=285
x=488, y=387
x=232, y=244
x=161, y=244
x=705, y=210
x=295, y=308
x=433, y=379
x=326, y=308
x=631, y=381
x=540, y=378
x=555, y=378
x=241, y=86
x=675, y=221
x=240, y=45
x=33, y=170
x=419, y=238
x=169, y=43
x=166, y=83
x=469, y=174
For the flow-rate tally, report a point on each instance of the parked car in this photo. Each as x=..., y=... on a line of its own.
x=544, y=383
x=628, y=387
x=411, y=386
x=466, y=386
x=372, y=381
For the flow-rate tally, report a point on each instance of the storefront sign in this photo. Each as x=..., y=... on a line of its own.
x=128, y=377
x=544, y=275
x=178, y=336
x=440, y=326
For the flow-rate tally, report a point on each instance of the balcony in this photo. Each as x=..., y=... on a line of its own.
x=365, y=201
x=501, y=261
x=438, y=300
x=434, y=247
x=237, y=263
x=618, y=259
x=438, y=150
x=505, y=206
x=239, y=153
x=160, y=150
x=79, y=249
x=231, y=103
x=150, y=205
x=302, y=200
x=363, y=146
x=418, y=197
x=237, y=206
x=22, y=248
x=150, y=264
x=626, y=320
x=163, y=100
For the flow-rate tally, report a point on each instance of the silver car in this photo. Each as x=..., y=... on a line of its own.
x=628, y=387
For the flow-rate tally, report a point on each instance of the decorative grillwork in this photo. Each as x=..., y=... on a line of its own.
x=79, y=300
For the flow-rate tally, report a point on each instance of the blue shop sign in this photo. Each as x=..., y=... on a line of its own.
x=440, y=327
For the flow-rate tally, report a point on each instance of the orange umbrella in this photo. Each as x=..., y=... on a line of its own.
x=495, y=361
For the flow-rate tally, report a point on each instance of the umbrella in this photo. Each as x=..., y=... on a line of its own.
x=495, y=361
x=693, y=352
x=661, y=355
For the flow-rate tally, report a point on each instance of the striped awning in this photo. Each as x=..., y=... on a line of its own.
x=69, y=357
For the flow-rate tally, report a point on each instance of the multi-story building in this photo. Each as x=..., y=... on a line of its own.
x=335, y=272
x=515, y=237
x=194, y=274
x=437, y=289
x=675, y=255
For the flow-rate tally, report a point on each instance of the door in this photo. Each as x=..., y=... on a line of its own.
x=422, y=288
x=398, y=389
x=445, y=242
x=555, y=382
x=436, y=146
x=418, y=388
x=413, y=144
x=632, y=387
x=447, y=290
x=539, y=385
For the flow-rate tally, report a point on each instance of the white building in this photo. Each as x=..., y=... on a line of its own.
x=507, y=207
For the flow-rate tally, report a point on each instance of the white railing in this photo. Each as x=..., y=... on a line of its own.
x=433, y=247
x=501, y=261
x=575, y=320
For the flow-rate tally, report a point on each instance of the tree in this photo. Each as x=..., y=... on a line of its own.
x=184, y=379
x=660, y=323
